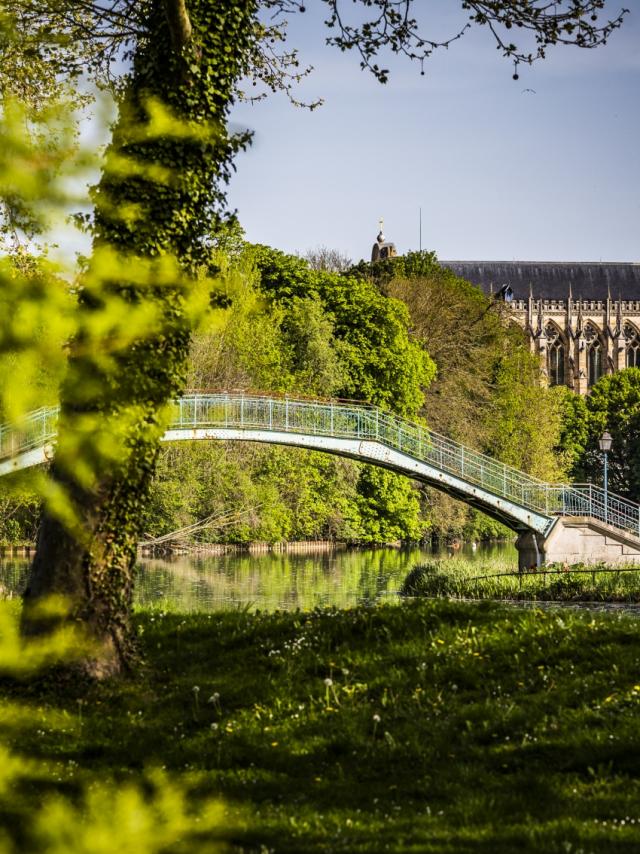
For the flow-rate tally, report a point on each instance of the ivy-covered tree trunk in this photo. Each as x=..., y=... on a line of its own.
x=160, y=197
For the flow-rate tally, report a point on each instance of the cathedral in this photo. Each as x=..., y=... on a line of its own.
x=582, y=319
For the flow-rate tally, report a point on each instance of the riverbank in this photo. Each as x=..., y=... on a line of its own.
x=175, y=549
x=432, y=727
x=462, y=579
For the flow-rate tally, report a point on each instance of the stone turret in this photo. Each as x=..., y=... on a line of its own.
x=381, y=248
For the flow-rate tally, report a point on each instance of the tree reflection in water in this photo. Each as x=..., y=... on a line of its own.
x=270, y=582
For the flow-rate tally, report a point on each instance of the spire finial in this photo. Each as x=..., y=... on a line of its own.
x=380, y=237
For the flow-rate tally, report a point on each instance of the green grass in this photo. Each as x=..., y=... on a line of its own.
x=458, y=578
x=432, y=726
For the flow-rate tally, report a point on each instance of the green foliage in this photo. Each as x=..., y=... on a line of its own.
x=272, y=494
x=22, y=659
x=517, y=437
x=149, y=817
x=315, y=354
x=36, y=306
x=383, y=364
x=19, y=515
x=389, y=507
x=574, y=434
x=613, y=405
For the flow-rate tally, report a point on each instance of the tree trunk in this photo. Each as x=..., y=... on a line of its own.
x=186, y=65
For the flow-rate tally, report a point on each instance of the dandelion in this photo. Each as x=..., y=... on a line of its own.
x=329, y=689
x=376, y=721
x=214, y=727
x=196, y=692
x=214, y=699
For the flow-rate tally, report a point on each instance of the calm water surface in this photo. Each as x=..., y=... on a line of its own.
x=340, y=578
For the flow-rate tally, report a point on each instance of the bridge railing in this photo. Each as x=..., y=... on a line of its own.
x=365, y=423
x=39, y=428
x=359, y=421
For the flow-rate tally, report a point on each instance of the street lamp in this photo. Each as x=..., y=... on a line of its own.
x=605, y=443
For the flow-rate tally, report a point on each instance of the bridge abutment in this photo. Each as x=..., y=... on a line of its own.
x=577, y=539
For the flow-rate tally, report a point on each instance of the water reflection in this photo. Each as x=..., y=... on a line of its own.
x=13, y=574
x=340, y=578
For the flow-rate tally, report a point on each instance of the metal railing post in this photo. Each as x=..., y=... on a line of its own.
x=270, y=414
x=286, y=413
x=242, y=411
x=331, y=420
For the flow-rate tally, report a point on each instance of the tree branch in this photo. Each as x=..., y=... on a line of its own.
x=179, y=23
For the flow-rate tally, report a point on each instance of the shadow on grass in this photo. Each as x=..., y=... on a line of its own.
x=433, y=726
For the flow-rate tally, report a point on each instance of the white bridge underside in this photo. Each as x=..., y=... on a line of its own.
x=499, y=508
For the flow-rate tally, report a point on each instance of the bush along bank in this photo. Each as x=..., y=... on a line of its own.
x=460, y=579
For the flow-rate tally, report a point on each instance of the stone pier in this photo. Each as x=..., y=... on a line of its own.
x=577, y=539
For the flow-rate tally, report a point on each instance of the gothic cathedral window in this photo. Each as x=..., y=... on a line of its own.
x=632, y=346
x=555, y=355
x=594, y=355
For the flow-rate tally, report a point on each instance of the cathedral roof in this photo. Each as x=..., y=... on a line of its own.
x=592, y=280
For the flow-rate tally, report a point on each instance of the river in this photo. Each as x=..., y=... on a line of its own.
x=276, y=581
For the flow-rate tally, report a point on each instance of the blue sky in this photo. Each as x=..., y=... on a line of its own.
x=500, y=173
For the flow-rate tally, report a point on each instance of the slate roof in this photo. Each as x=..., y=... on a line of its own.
x=590, y=280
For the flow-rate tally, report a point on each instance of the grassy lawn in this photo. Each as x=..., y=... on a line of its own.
x=432, y=726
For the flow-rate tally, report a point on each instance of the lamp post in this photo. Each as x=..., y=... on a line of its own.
x=605, y=442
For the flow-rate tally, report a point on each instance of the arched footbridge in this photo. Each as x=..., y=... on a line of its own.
x=554, y=521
